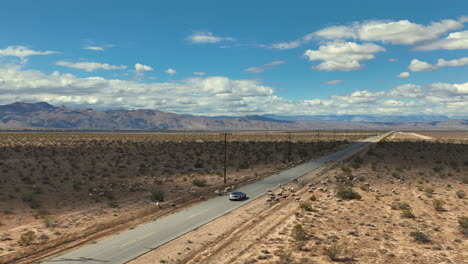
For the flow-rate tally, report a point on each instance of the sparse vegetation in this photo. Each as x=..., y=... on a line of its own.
x=461, y=194
x=420, y=236
x=157, y=195
x=438, y=204
x=306, y=206
x=299, y=233
x=463, y=225
x=347, y=193
x=333, y=251
x=199, y=183
x=27, y=238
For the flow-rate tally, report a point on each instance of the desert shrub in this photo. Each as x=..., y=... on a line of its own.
x=364, y=187
x=396, y=175
x=49, y=221
x=429, y=190
x=420, y=236
x=285, y=258
x=465, y=180
x=347, y=193
x=332, y=251
x=305, y=206
x=199, y=164
x=313, y=197
x=400, y=206
x=8, y=211
x=438, y=204
x=463, y=225
x=27, y=238
x=199, y=183
x=407, y=213
x=343, y=179
x=357, y=162
x=299, y=233
x=461, y=194
x=346, y=170
x=112, y=203
x=157, y=195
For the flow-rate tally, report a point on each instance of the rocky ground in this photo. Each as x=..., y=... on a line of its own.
x=401, y=201
x=57, y=187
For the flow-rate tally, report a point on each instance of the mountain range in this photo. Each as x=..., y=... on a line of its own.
x=40, y=116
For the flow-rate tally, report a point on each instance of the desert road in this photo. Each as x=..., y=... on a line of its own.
x=125, y=246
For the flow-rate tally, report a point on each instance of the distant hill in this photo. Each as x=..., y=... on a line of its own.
x=45, y=116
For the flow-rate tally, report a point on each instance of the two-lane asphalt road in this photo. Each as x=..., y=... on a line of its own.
x=130, y=244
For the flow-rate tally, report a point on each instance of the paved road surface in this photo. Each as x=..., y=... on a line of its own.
x=130, y=244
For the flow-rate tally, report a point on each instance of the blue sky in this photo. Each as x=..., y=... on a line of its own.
x=238, y=57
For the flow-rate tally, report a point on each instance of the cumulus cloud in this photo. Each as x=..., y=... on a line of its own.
x=342, y=55
x=359, y=97
x=142, y=68
x=171, y=71
x=331, y=82
x=387, y=31
x=90, y=66
x=406, y=91
x=207, y=37
x=220, y=95
x=199, y=73
x=403, y=75
x=22, y=52
x=264, y=67
x=453, y=63
x=420, y=66
x=454, y=41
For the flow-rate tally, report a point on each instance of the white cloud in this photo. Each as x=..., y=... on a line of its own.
x=406, y=91
x=449, y=90
x=331, y=82
x=220, y=95
x=171, y=71
x=342, y=56
x=199, y=73
x=90, y=66
x=387, y=31
x=142, y=68
x=392, y=60
x=95, y=48
x=453, y=63
x=22, y=52
x=403, y=75
x=359, y=97
x=420, y=66
x=263, y=67
x=207, y=37
x=454, y=41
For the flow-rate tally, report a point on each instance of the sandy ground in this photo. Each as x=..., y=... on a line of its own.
x=66, y=186
x=404, y=168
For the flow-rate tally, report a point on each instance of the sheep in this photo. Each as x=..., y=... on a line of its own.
x=158, y=205
x=297, y=198
x=173, y=205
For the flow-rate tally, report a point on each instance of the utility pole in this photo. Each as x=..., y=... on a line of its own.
x=289, y=146
x=318, y=142
x=225, y=153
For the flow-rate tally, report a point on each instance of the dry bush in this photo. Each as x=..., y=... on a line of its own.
x=420, y=236
x=27, y=238
x=463, y=225
x=299, y=233
x=157, y=195
x=438, y=204
x=400, y=206
x=407, y=213
x=305, y=206
x=461, y=194
x=347, y=193
x=333, y=251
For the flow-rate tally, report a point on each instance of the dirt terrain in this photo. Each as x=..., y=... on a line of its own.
x=59, y=187
x=407, y=204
